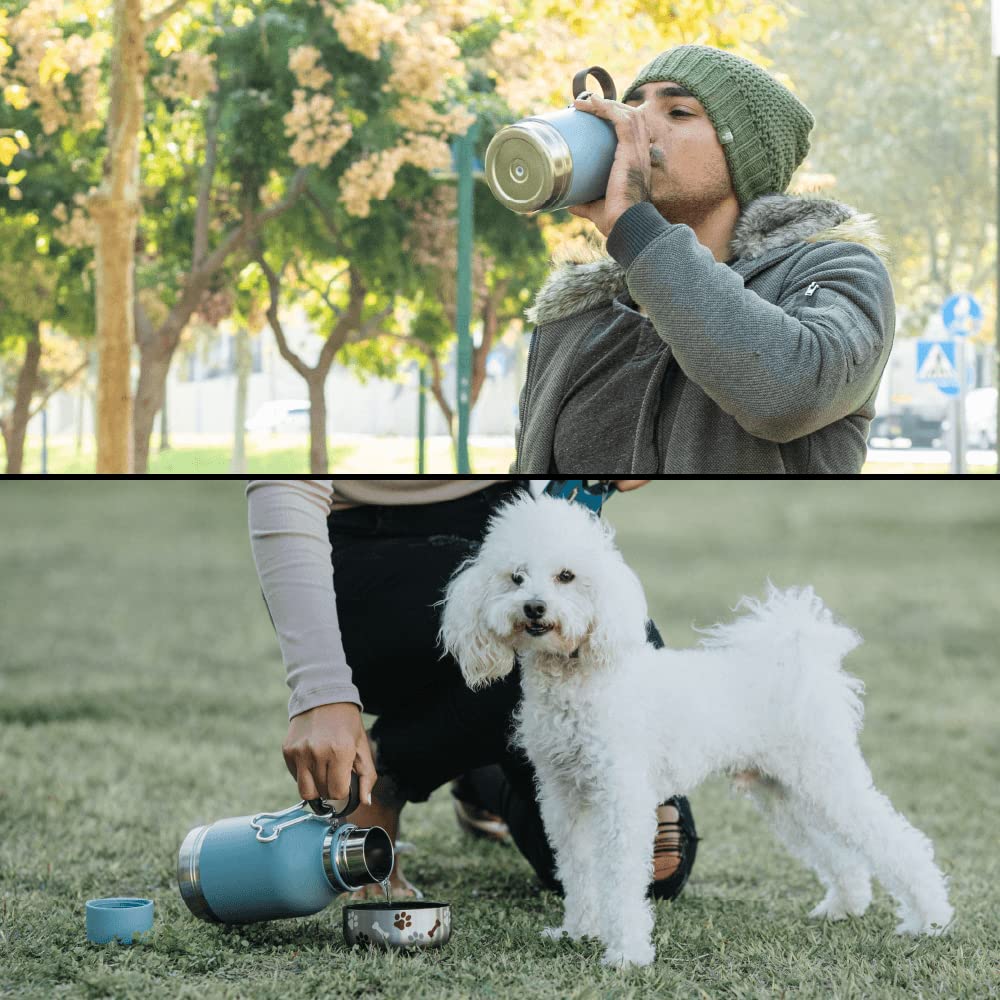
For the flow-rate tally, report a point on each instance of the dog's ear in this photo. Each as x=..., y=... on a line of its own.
x=621, y=613
x=465, y=633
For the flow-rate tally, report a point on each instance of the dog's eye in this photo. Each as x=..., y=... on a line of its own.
x=565, y=576
x=517, y=578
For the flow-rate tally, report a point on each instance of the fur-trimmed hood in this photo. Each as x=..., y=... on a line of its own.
x=581, y=280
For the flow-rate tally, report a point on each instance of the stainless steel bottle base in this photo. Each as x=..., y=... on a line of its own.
x=189, y=877
x=529, y=167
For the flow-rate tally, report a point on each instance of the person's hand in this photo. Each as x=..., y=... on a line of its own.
x=624, y=485
x=323, y=746
x=629, y=182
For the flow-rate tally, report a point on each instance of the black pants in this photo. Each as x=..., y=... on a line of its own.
x=390, y=567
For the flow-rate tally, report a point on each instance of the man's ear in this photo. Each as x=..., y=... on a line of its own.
x=464, y=632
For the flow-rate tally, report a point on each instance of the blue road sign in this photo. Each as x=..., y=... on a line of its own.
x=936, y=362
x=962, y=315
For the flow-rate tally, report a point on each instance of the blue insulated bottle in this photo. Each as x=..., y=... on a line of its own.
x=556, y=160
x=286, y=864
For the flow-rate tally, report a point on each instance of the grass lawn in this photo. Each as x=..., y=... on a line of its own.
x=201, y=455
x=142, y=693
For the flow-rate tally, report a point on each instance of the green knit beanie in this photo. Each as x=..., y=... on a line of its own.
x=762, y=126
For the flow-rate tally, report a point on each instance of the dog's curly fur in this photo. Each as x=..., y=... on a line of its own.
x=614, y=726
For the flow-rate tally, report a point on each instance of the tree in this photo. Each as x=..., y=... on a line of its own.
x=904, y=106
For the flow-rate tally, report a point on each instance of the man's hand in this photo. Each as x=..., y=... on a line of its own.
x=624, y=485
x=323, y=746
x=629, y=182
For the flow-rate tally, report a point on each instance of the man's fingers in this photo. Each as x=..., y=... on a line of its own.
x=338, y=777
x=367, y=776
x=307, y=786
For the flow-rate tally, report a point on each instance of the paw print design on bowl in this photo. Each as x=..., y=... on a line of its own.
x=414, y=938
x=403, y=920
x=364, y=938
x=352, y=920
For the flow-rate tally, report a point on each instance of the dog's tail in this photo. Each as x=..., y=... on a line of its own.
x=795, y=628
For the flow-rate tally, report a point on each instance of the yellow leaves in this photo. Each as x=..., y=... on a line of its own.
x=10, y=146
x=169, y=37
x=53, y=67
x=241, y=15
x=16, y=96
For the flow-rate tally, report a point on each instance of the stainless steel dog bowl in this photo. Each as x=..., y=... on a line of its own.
x=410, y=924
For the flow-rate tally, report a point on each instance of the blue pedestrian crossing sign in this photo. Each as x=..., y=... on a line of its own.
x=962, y=315
x=936, y=363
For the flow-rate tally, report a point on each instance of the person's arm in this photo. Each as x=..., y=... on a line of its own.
x=326, y=737
x=781, y=370
x=291, y=549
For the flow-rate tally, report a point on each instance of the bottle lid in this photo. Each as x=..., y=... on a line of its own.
x=118, y=917
x=528, y=166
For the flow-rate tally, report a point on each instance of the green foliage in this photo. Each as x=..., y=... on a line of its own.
x=904, y=100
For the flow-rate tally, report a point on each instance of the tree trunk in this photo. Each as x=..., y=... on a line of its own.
x=80, y=411
x=154, y=364
x=164, y=441
x=15, y=426
x=317, y=423
x=244, y=363
x=114, y=208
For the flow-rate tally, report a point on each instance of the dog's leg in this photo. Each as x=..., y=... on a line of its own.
x=570, y=828
x=628, y=820
x=842, y=871
x=898, y=855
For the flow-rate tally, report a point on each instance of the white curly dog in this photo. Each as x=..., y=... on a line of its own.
x=613, y=726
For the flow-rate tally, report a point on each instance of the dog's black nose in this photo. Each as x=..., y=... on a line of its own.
x=534, y=610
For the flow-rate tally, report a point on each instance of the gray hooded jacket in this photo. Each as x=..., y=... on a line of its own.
x=767, y=364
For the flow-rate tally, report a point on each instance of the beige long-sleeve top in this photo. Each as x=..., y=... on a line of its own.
x=291, y=549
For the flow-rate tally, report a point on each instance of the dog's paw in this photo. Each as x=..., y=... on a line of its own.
x=555, y=933
x=829, y=909
x=912, y=924
x=638, y=955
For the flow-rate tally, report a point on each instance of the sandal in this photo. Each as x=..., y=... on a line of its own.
x=474, y=820
x=674, y=848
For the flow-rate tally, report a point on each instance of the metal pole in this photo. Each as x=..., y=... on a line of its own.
x=958, y=455
x=421, y=419
x=465, y=146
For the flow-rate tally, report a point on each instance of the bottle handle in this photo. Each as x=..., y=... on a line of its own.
x=601, y=75
x=353, y=801
x=330, y=817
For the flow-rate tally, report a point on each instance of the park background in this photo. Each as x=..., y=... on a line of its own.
x=142, y=693
x=206, y=206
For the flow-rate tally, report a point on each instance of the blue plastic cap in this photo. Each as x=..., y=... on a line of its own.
x=118, y=917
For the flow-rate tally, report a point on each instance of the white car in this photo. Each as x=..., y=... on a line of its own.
x=281, y=416
x=981, y=417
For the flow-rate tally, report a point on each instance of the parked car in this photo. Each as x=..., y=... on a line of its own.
x=981, y=417
x=920, y=430
x=281, y=416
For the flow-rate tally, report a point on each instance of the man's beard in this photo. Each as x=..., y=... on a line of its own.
x=686, y=206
